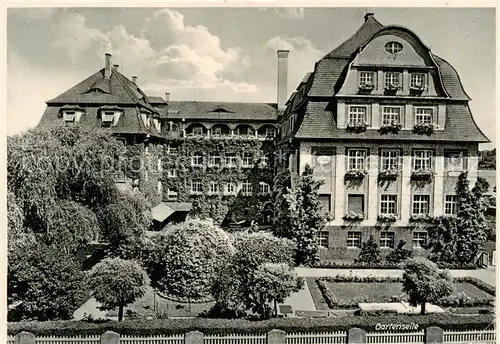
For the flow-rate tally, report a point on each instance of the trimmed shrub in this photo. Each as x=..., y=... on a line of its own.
x=330, y=299
x=387, y=265
x=226, y=326
x=478, y=284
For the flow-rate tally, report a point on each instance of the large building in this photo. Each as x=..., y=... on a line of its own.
x=384, y=122
x=387, y=126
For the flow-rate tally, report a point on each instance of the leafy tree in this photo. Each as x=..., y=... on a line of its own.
x=300, y=214
x=43, y=283
x=370, y=252
x=399, y=254
x=116, y=282
x=185, y=259
x=273, y=283
x=71, y=226
x=459, y=239
x=423, y=282
x=236, y=286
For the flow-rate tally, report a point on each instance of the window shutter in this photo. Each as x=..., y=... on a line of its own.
x=367, y=160
x=355, y=203
x=346, y=161
x=433, y=160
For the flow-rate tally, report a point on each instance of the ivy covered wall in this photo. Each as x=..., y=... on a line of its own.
x=156, y=161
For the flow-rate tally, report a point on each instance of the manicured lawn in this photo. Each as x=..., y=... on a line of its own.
x=348, y=292
x=145, y=307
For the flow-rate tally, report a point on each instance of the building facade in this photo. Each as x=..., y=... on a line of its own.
x=387, y=127
x=383, y=121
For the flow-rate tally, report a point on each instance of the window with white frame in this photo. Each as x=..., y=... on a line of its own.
x=109, y=118
x=354, y=239
x=389, y=159
x=366, y=78
x=231, y=160
x=322, y=239
x=230, y=188
x=171, y=194
x=419, y=239
x=216, y=131
x=196, y=186
x=264, y=188
x=214, y=187
x=197, y=130
x=417, y=80
x=391, y=115
x=386, y=239
x=247, y=160
x=393, y=47
x=246, y=188
x=172, y=173
x=197, y=160
x=357, y=115
x=356, y=159
x=451, y=204
x=214, y=160
x=69, y=116
x=270, y=132
x=420, y=205
x=145, y=119
x=454, y=160
x=391, y=79
x=422, y=159
x=423, y=116
x=388, y=204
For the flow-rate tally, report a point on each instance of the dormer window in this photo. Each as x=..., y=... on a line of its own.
x=157, y=124
x=69, y=116
x=366, y=78
x=146, y=120
x=110, y=118
x=71, y=113
x=391, y=80
x=417, y=81
x=270, y=132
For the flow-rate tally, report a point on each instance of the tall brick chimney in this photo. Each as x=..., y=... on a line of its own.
x=369, y=15
x=107, y=66
x=167, y=97
x=282, y=78
x=134, y=79
x=116, y=67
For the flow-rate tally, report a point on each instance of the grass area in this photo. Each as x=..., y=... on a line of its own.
x=349, y=292
x=151, y=305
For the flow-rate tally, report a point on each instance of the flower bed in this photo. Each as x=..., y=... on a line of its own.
x=423, y=128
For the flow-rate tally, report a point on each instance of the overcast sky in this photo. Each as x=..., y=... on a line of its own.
x=222, y=54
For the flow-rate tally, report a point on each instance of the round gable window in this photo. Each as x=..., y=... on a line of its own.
x=393, y=47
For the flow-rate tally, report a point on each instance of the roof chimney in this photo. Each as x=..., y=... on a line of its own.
x=167, y=97
x=282, y=77
x=368, y=15
x=134, y=79
x=116, y=67
x=107, y=66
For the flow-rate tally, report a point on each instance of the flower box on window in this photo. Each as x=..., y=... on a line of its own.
x=392, y=88
x=417, y=89
x=388, y=174
x=352, y=216
x=423, y=128
x=422, y=174
x=356, y=127
x=355, y=174
x=420, y=218
x=390, y=128
x=366, y=88
x=387, y=217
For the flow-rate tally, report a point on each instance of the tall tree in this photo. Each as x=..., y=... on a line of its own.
x=370, y=252
x=284, y=201
x=116, y=283
x=43, y=283
x=424, y=282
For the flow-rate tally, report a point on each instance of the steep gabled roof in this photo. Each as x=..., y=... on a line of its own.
x=115, y=90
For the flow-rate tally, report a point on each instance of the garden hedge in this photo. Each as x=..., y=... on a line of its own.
x=385, y=265
x=226, y=326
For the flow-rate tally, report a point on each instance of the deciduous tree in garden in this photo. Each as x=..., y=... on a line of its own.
x=370, y=252
x=117, y=282
x=424, y=282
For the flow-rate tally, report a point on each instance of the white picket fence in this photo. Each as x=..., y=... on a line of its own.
x=339, y=337
x=235, y=338
x=173, y=339
x=395, y=338
x=66, y=340
x=479, y=337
